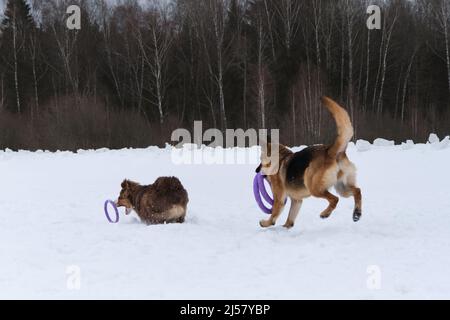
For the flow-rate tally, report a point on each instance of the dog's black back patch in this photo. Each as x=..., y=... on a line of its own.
x=298, y=164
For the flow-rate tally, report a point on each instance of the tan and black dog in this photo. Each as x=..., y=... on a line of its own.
x=164, y=201
x=313, y=171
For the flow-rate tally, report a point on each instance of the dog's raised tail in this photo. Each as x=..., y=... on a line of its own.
x=343, y=126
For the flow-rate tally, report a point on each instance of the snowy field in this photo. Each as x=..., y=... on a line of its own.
x=54, y=235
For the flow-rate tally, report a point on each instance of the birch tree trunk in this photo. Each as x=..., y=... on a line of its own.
x=269, y=26
x=272, y=46
x=218, y=22
x=405, y=86
x=158, y=75
x=383, y=73
x=366, y=87
x=380, y=62
x=207, y=91
x=66, y=51
x=33, y=48
x=289, y=12
x=261, y=81
x=109, y=60
x=397, y=94
x=350, y=61
x=445, y=17
x=16, y=71
x=244, y=96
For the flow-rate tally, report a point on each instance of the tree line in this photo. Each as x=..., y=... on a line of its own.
x=135, y=71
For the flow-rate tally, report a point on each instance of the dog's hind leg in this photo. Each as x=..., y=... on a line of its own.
x=346, y=185
x=293, y=212
x=319, y=184
x=351, y=190
x=358, y=203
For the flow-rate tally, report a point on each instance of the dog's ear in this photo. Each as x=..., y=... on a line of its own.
x=125, y=184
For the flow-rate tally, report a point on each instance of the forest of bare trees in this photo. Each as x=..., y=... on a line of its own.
x=135, y=71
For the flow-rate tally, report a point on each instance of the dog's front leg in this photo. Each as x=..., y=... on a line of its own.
x=293, y=212
x=278, y=205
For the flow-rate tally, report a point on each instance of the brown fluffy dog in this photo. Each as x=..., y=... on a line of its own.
x=313, y=171
x=164, y=201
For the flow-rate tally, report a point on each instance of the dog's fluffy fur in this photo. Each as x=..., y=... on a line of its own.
x=313, y=171
x=164, y=201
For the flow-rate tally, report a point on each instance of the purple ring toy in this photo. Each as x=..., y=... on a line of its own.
x=259, y=189
x=258, y=186
x=112, y=203
x=262, y=189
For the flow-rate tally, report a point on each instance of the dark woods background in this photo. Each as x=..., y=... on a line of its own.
x=134, y=73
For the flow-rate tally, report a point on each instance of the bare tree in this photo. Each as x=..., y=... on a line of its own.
x=328, y=27
x=383, y=72
x=405, y=85
x=351, y=9
x=366, y=86
x=111, y=56
x=201, y=30
x=18, y=44
x=156, y=52
x=131, y=56
x=261, y=82
x=66, y=42
x=218, y=11
x=317, y=5
x=442, y=14
x=289, y=13
x=35, y=53
x=269, y=17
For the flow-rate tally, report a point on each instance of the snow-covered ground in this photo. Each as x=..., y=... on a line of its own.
x=56, y=243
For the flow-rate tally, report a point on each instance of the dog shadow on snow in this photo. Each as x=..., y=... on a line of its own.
x=134, y=220
x=312, y=232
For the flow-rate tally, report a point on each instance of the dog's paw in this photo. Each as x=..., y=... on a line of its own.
x=288, y=224
x=324, y=215
x=266, y=223
x=357, y=214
